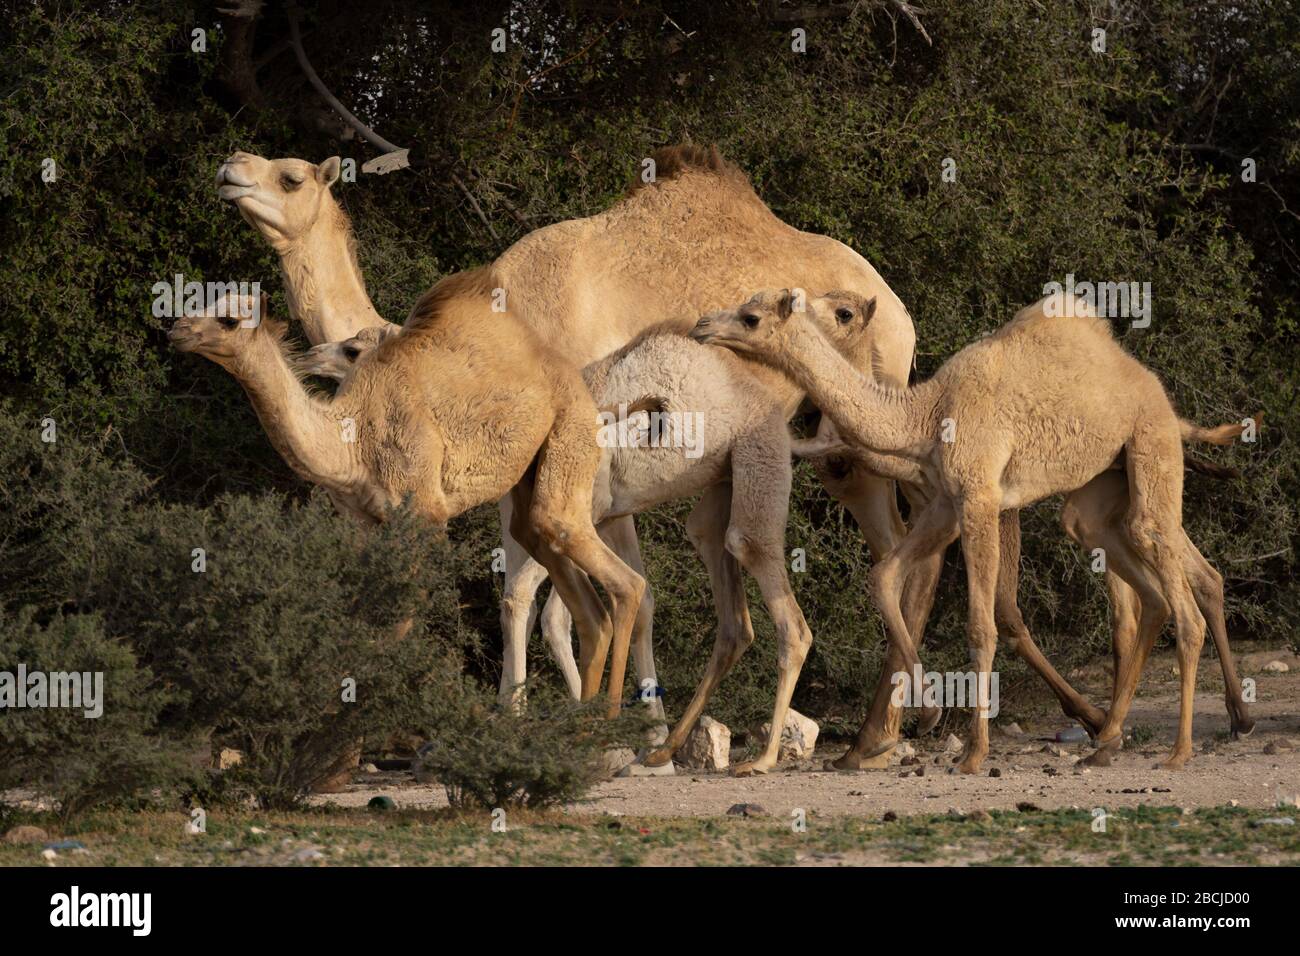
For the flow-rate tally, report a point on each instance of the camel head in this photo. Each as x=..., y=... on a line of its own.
x=282, y=198
x=225, y=329
x=758, y=327
x=336, y=360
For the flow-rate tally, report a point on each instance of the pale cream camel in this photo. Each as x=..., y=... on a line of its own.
x=693, y=239
x=1094, y=517
x=336, y=360
x=459, y=409
x=1041, y=407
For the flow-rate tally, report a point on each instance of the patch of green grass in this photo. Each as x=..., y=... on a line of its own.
x=1143, y=836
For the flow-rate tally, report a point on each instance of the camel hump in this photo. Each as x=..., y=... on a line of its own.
x=480, y=283
x=672, y=162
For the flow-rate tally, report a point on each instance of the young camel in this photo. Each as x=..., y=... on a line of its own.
x=743, y=463
x=1040, y=407
x=695, y=239
x=461, y=408
x=1093, y=516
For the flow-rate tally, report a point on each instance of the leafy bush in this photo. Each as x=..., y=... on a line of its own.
x=550, y=753
x=82, y=760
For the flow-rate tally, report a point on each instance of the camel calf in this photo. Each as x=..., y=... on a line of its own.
x=461, y=408
x=1040, y=407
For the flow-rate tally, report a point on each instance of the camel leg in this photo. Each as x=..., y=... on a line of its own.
x=1015, y=634
x=1207, y=585
x=1138, y=615
x=873, y=504
x=760, y=498
x=1155, y=471
x=557, y=627
x=979, y=543
x=933, y=530
x=620, y=535
x=561, y=516
x=595, y=630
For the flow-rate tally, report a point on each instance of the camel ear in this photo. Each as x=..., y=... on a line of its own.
x=868, y=310
x=327, y=173
x=785, y=304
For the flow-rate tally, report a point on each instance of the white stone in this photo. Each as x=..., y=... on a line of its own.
x=1277, y=667
x=952, y=745
x=798, y=736
x=707, y=747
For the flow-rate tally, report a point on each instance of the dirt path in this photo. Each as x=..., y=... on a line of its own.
x=1222, y=771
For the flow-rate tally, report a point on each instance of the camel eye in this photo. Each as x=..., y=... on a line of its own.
x=350, y=353
x=751, y=321
x=289, y=183
x=228, y=321
x=844, y=315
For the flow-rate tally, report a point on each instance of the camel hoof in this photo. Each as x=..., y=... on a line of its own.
x=1175, y=762
x=970, y=765
x=930, y=717
x=1098, y=758
x=657, y=758
x=854, y=761
x=749, y=769
x=1243, y=729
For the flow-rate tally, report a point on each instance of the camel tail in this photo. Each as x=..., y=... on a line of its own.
x=1219, y=435
x=1209, y=468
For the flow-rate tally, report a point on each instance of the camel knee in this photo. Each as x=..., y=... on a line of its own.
x=882, y=582
x=644, y=613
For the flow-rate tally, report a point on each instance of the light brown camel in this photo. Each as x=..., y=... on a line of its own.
x=336, y=360
x=718, y=428
x=1094, y=517
x=695, y=239
x=459, y=409
x=1040, y=407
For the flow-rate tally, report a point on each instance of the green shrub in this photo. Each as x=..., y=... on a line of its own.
x=79, y=760
x=550, y=753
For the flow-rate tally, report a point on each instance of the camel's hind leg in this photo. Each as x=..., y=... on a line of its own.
x=1014, y=632
x=760, y=499
x=707, y=529
x=1155, y=469
x=560, y=514
x=1207, y=585
x=933, y=530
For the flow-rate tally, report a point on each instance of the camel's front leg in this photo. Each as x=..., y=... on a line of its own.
x=979, y=542
x=620, y=535
x=934, y=530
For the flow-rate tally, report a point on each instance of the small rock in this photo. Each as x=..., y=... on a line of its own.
x=308, y=854
x=707, y=747
x=905, y=750
x=911, y=760
x=370, y=768
x=1279, y=746
x=746, y=810
x=256, y=830
x=1055, y=750
x=637, y=768
x=798, y=736
x=889, y=817
x=616, y=758
x=49, y=854
x=26, y=834
x=1273, y=822
x=1013, y=730
x=952, y=745
x=995, y=772
x=1071, y=735
x=1277, y=667
x=1024, y=806
x=920, y=771
x=381, y=804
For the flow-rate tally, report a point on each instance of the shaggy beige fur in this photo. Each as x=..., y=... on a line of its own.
x=1041, y=407
x=461, y=408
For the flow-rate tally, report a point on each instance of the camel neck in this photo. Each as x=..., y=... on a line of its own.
x=878, y=418
x=327, y=293
x=304, y=430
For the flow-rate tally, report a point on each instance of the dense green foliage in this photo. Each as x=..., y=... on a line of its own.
x=1117, y=166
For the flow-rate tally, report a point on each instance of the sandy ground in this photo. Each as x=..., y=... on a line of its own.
x=1222, y=772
